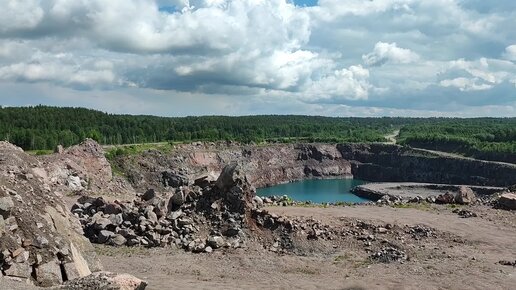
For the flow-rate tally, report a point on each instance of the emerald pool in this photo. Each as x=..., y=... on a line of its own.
x=316, y=190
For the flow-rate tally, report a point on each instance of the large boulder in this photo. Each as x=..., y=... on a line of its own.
x=235, y=188
x=465, y=195
x=507, y=201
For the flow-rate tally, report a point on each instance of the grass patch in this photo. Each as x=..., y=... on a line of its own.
x=362, y=264
x=421, y=206
x=342, y=258
x=130, y=150
x=111, y=251
x=453, y=206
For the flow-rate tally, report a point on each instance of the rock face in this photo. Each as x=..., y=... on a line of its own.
x=40, y=241
x=280, y=163
x=392, y=163
x=263, y=165
x=81, y=168
x=507, y=201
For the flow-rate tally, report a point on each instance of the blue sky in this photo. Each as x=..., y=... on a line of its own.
x=306, y=2
x=225, y=57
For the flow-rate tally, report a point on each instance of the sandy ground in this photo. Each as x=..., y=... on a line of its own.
x=409, y=190
x=465, y=258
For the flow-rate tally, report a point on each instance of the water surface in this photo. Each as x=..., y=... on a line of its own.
x=317, y=190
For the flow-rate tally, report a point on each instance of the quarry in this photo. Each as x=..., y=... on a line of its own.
x=189, y=217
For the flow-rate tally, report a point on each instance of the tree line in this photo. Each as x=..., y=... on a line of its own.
x=43, y=127
x=483, y=138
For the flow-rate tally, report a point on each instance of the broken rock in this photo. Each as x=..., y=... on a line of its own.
x=507, y=201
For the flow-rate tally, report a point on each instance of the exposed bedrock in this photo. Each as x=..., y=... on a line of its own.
x=380, y=162
x=264, y=165
x=41, y=243
x=281, y=163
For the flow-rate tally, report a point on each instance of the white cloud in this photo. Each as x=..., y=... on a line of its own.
x=482, y=74
x=389, y=52
x=345, y=84
x=20, y=14
x=463, y=52
x=465, y=84
x=510, y=52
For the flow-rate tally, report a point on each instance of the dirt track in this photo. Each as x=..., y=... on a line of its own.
x=440, y=264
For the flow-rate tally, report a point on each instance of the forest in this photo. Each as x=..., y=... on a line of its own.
x=44, y=127
x=482, y=138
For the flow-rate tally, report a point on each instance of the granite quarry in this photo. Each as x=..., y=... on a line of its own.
x=61, y=214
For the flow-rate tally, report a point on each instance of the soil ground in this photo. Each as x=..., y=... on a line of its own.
x=464, y=257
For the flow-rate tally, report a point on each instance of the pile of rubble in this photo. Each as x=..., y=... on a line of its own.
x=388, y=255
x=195, y=218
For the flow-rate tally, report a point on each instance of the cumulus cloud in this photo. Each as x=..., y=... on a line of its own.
x=345, y=84
x=510, y=52
x=270, y=51
x=477, y=75
x=389, y=52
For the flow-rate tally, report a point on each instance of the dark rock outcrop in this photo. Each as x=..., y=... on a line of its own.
x=507, y=201
x=382, y=162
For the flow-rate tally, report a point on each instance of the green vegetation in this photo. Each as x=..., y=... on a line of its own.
x=483, y=138
x=420, y=206
x=127, y=150
x=42, y=127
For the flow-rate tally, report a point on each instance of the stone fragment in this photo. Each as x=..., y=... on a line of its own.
x=104, y=236
x=49, y=274
x=258, y=201
x=446, y=198
x=507, y=201
x=175, y=215
x=74, y=183
x=149, y=194
x=465, y=195
x=41, y=242
x=20, y=270
x=118, y=240
x=112, y=208
x=177, y=199
x=71, y=271
x=215, y=242
x=6, y=205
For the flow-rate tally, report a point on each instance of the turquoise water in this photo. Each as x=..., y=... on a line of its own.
x=317, y=190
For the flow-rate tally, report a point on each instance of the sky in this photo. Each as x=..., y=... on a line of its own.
x=419, y=58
